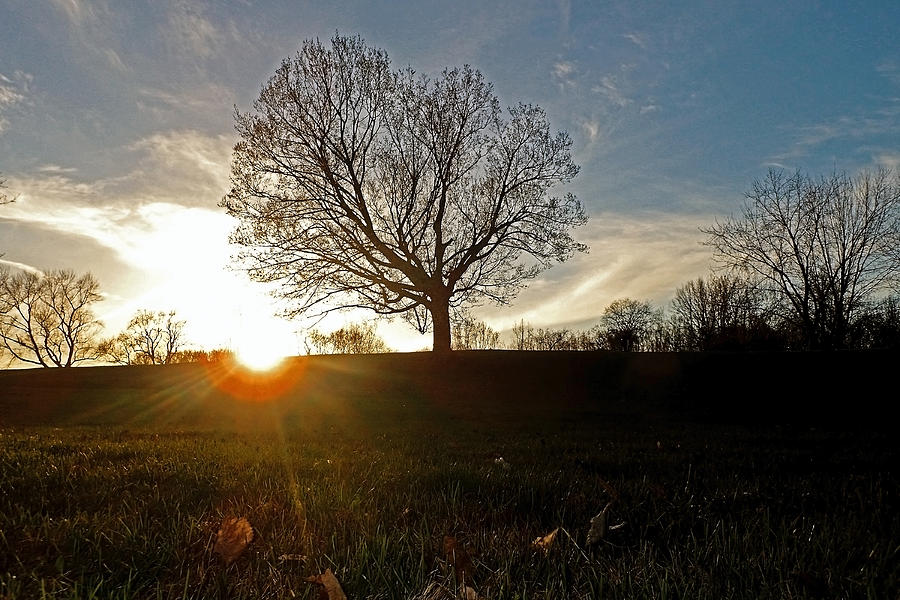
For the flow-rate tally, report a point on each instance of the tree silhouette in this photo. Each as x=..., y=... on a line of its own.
x=823, y=246
x=355, y=338
x=46, y=319
x=358, y=186
x=628, y=323
x=151, y=338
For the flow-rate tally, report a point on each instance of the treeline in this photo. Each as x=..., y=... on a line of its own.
x=47, y=320
x=717, y=313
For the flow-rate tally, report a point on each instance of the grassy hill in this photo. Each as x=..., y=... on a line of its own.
x=808, y=388
x=114, y=481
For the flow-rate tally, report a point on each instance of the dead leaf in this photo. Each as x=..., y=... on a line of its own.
x=544, y=543
x=458, y=559
x=331, y=588
x=292, y=557
x=599, y=526
x=233, y=537
x=469, y=594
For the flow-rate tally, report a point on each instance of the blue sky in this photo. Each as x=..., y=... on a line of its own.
x=116, y=129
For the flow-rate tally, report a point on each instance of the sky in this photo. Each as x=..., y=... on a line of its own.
x=117, y=123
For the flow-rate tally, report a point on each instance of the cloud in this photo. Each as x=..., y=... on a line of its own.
x=13, y=91
x=609, y=88
x=94, y=25
x=21, y=266
x=889, y=159
x=636, y=39
x=880, y=122
x=190, y=34
x=642, y=256
x=564, y=72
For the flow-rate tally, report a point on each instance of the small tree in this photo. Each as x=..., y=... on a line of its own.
x=471, y=334
x=628, y=324
x=355, y=338
x=358, y=186
x=151, y=338
x=823, y=246
x=46, y=319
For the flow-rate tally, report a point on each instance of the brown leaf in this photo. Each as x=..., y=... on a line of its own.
x=331, y=588
x=233, y=537
x=544, y=543
x=292, y=557
x=458, y=559
x=599, y=526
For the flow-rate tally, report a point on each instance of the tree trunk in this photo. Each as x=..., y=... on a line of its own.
x=440, y=319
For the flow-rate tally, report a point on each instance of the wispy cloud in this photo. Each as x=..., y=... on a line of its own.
x=877, y=123
x=609, y=88
x=564, y=73
x=643, y=256
x=190, y=33
x=13, y=91
x=20, y=266
x=94, y=24
x=636, y=39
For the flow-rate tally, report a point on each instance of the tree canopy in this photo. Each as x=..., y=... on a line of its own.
x=823, y=247
x=356, y=185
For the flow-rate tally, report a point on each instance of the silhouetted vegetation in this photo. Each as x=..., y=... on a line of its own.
x=4, y=198
x=46, y=319
x=151, y=338
x=472, y=334
x=360, y=186
x=217, y=355
x=823, y=247
x=355, y=338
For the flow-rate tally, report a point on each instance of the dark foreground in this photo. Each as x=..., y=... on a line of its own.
x=114, y=482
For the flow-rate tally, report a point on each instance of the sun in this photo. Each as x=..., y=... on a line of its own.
x=258, y=356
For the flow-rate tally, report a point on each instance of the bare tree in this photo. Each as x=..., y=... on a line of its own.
x=46, y=319
x=358, y=186
x=723, y=311
x=151, y=338
x=472, y=334
x=4, y=199
x=628, y=324
x=355, y=338
x=823, y=246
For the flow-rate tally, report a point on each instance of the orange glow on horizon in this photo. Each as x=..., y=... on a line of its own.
x=243, y=382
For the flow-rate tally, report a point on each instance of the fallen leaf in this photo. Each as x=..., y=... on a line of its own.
x=544, y=543
x=469, y=594
x=292, y=557
x=234, y=535
x=331, y=589
x=599, y=526
x=458, y=559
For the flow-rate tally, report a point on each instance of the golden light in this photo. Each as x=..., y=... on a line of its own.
x=259, y=356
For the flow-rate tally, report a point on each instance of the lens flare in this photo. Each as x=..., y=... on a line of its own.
x=259, y=357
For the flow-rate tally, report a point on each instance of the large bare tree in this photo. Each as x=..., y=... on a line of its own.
x=46, y=319
x=359, y=186
x=824, y=246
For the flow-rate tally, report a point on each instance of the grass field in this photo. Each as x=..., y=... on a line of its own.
x=118, y=492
